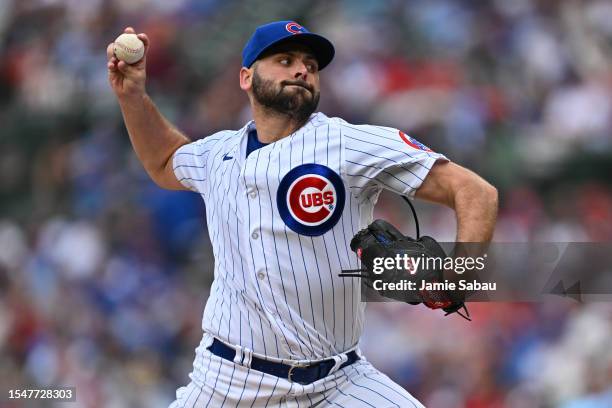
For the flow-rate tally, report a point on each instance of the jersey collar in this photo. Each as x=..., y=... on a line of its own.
x=315, y=119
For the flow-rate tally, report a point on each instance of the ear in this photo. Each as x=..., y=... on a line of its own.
x=246, y=78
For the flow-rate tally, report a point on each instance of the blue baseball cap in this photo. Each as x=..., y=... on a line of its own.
x=279, y=32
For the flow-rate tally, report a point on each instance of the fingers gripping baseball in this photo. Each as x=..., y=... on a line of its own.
x=127, y=79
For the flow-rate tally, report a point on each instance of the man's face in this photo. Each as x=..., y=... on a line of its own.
x=286, y=80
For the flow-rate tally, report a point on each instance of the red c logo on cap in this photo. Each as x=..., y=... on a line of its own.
x=294, y=28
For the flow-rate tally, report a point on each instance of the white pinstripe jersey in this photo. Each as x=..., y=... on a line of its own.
x=280, y=222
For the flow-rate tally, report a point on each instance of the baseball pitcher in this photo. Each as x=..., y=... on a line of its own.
x=285, y=196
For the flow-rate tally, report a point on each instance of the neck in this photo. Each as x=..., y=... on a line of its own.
x=272, y=126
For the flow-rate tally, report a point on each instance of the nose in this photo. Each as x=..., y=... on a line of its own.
x=301, y=72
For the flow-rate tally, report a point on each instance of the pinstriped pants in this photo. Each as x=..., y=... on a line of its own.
x=216, y=383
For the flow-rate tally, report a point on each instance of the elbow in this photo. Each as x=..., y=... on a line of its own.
x=159, y=181
x=165, y=180
x=156, y=174
x=477, y=189
x=164, y=177
x=491, y=195
x=488, y=195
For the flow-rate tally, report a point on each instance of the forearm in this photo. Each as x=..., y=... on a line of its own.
x=153, y=137
x=475, y=207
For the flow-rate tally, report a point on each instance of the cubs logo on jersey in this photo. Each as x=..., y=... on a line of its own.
x=310, y=199
x=413, y=142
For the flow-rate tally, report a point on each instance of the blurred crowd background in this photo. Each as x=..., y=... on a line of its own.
x=103, y=276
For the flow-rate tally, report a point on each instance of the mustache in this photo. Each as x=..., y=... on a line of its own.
x=298, y=83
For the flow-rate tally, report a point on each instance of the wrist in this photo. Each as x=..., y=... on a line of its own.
x=131, y=98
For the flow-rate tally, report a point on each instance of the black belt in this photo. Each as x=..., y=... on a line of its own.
x=301, y=374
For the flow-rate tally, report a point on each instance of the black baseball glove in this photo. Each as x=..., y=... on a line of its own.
x=382, y=240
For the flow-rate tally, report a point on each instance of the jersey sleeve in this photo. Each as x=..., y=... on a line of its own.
x=189, y=164
x=381, y=157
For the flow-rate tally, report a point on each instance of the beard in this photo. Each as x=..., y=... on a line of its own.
x=298, y=101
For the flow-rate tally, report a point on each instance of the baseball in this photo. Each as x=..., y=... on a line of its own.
x=128, y=48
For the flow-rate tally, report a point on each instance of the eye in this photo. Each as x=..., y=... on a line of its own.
x=285, y=61
x=312, y=67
